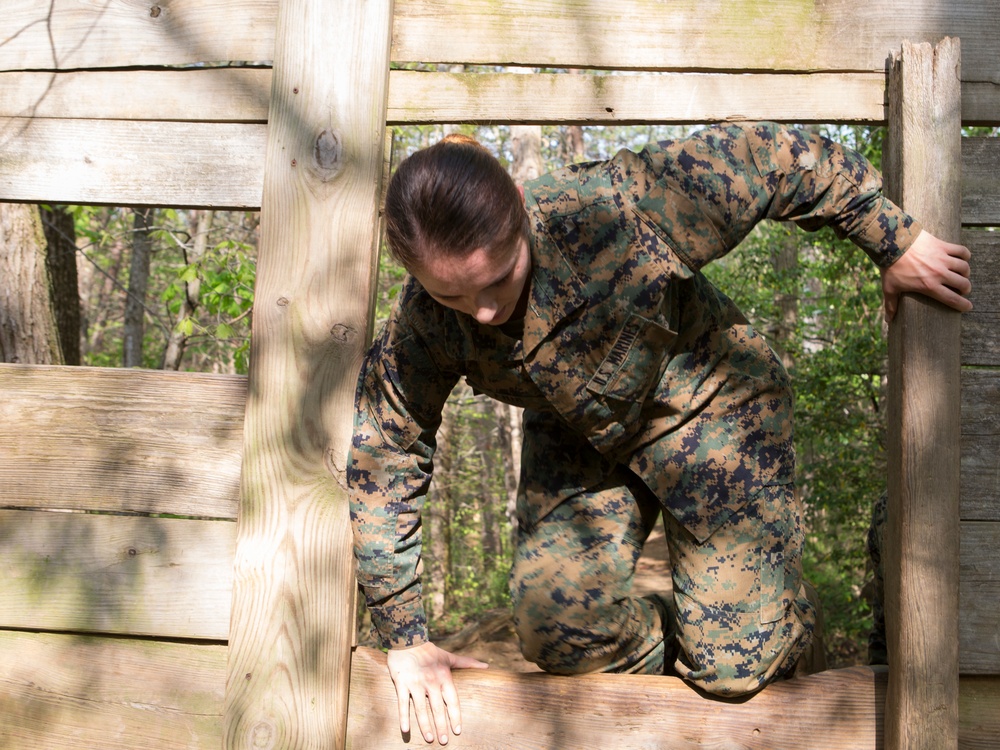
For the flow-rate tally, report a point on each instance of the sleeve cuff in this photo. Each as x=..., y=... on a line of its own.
x=400, y=625
x=888, y=234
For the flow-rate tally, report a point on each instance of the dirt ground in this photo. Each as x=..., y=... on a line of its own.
x=491, y=639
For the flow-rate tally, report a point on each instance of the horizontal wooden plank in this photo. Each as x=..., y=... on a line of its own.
x=61, y=35
x=980, y=444
x=192, y=95
x=65, y=692
x=534, y=711
x=241, y=95
x=981, y=103
x=981, y=181
x=980, y=343
x=835, y=35
x=978, y=713
x=637, y=98
x=198, y=165
x=979, y=612
x=121, y=440
x=135, y=575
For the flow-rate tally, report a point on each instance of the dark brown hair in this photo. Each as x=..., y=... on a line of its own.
x=450, y=199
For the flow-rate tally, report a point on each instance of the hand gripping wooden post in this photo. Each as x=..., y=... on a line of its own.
x=922, y=539
x=292, y=616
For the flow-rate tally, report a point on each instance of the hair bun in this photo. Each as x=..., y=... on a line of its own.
x=465, y=140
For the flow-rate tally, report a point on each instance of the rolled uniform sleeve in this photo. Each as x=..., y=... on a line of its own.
x=401, y=392
x=734, y=176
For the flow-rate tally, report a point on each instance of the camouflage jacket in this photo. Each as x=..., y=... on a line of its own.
x=624, y=338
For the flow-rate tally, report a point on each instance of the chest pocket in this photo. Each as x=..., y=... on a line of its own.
x=634, y=363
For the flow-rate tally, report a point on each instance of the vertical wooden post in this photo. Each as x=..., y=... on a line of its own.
x=922, y=540
x=292, y=617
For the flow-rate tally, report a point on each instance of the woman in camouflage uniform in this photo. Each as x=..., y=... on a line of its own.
x=645, y=389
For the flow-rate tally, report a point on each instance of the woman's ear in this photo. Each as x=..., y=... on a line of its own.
x=520, y=190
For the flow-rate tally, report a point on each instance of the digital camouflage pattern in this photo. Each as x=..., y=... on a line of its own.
x=625, y=344
x=738, y=614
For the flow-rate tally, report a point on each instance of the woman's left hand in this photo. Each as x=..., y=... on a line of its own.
x=933, y=267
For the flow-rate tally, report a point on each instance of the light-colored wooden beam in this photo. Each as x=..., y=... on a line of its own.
x=292, y=616
x=922, y=538
x=113, y=440
x=98, y=162
x=130, y=575
x=66, y=692
x=69, y=692
x=241, y=95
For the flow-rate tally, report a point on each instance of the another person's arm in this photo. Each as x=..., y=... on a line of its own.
x=929, y=266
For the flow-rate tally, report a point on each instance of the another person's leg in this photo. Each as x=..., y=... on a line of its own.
x=574, y=563
x=743, y=615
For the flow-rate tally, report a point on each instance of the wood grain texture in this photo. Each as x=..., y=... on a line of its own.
x=636, y=98
x=980, y=444
x=199, y=165
x=835, y=35
x=979, y=635
x=981, y=181
x=922, y=537
x=70, y=692
x=501, y=710
x=980, y=342
x=292, y=616
x=192, y=95
x=788, y=35
x=144, y=441
x=64, y=35
x=241, y=95
x=66, y=692
x=116, y=574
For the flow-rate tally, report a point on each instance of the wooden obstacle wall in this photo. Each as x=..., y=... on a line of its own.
x=115, y=630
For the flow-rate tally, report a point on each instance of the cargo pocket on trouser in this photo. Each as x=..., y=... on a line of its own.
x=742, y=614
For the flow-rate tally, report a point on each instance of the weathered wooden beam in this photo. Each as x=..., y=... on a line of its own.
x=839, y=35
x=201, y=165
x=690, y=35
x=55, y=35
x=142, y=441
x=131, y=575
x=241, y=95
x=979, y=620
x=980, y=344
x=292, y=616
x=68, y=692
x=980, y=185
x=922, y=539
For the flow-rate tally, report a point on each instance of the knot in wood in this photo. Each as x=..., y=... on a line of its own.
x=155, y=11
x=327, y=153
x=341, y=332
x=282, y=301
x=262, y=735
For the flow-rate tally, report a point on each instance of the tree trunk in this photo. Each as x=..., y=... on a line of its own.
x=138, y=280
x=60, y=258
x=177, y=341
x=28, y=332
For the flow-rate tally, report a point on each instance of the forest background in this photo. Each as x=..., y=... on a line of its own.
x=173, y=289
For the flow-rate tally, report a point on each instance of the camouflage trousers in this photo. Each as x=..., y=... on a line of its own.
x=737, y=617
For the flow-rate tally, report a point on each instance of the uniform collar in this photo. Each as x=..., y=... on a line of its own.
x=556, y=289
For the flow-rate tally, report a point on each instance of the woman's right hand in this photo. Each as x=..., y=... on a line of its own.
x=423, y=674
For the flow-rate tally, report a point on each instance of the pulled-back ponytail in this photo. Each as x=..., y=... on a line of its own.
x=450, y=199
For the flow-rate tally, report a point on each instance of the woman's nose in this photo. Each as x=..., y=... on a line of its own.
x=486, y=308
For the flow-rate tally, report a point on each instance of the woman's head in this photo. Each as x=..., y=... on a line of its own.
x=450, y=199
x=456, y=221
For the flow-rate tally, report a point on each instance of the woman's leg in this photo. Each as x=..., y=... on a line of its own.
x=743, y=617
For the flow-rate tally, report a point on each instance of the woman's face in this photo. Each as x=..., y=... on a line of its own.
x=490, y=289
